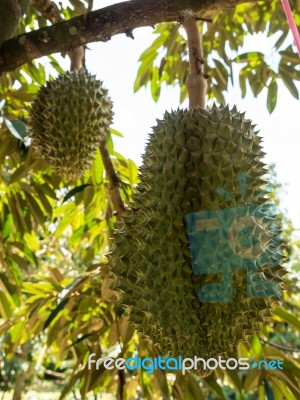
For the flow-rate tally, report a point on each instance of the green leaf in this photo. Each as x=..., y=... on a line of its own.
x=116, y=133
x=285, y=315
x=7, y=226
x=43, y=199
x=290, y=70
x=55, y=312
x=16, y=218
x=272, y=95
x=18, y=276
x=242, y=80
x=268, y=390
x=16, y=331
x=56, y=65
x=78, y=234
x=48, y=191
x=81, y=339
x=17, y=128
x=155, y=84
x=257, y=346
x=289, y=380
x=256, y=83
x=211, y=382
x=20, y=127
x=19, y=173
x=151, y=52
x=222, y=73
x=290, y=366
x=289, y=55
x=19, y=260
x=142, y=78
x=38, y=74
x=253, y=379
x=173, y=40
x=109, y=143
x=281, y=39
x=78, y=6
x=252, y=56
x=162, y=382
x=192, y=389
x=35, y=209
x=97, y=168
x=261, y=393
x=235, y=379
x=88, y=196
x=5, y=309
x=75, y=190
x=288, y=81
x=132, y=172
x=66, y=220
x=281, y=390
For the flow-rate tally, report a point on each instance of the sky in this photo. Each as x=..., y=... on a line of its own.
x=116, y=63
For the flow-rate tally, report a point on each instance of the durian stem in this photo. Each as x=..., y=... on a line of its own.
x=77, y=58
x=196, y=84
x=113, y=180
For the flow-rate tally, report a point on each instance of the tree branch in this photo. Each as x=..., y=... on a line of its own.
x=280, y=347
x=113, y=179
x=99, y=25
x=50, y=11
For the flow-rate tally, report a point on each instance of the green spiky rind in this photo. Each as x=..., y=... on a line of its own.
x=188, y=156
x=69, y=118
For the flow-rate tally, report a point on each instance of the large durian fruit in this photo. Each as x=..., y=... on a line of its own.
x=193, y=163
x=69, y=118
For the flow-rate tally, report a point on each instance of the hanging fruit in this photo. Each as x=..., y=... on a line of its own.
x=69, y=118
x=197, y=262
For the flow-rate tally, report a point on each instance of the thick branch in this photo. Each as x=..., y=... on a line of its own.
x=99, y=25
x=196, y=83
x=50, y=11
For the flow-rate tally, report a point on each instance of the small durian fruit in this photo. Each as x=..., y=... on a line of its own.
x=199, y=291
x=68, y=119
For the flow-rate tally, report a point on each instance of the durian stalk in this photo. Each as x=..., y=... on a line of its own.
x=196, y=83
x=77, y=58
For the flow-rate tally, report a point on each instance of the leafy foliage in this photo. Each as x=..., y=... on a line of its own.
x=55, y=304
x=165, y=61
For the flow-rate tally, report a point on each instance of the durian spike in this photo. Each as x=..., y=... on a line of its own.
x=196, y=84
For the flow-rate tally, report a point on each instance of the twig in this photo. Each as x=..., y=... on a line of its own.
x=120, y=393
x=121, y=385
x=113, y=179
x=280, y=347
x=196, y=83
x=98, y=25
x=209, y=20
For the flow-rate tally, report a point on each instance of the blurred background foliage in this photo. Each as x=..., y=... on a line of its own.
x=55, y=304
